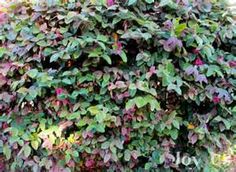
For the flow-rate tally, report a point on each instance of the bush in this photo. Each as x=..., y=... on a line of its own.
x=116, y=85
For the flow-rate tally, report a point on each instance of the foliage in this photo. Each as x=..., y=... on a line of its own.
x=116, y=85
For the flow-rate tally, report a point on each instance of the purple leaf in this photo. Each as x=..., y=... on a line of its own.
x=107, y=157
x=171, y=44
x=87, y=134
x=168, y=24
x=201, y=78
x=192, y=137
x=123, y=95
x=191, y=70
x=5, y=67
x=223, y=94
x=3, y=80
x=211, y=89
x=3, y=18
x=120, y=84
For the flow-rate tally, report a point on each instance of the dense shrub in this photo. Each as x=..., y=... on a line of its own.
x=116, y=85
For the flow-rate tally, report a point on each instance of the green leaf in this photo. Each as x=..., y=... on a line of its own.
x=94, y=110
x=32, y=94
x=105, y=145
x=23, y=90
x=81, y=123
x=7, y=151
x=27, y=150
x=174, y=87
x=100, y=117
x=100, y=128
x=70, y=16
x=174, y=134
x=213, y=69
x=179, y=28
x=32, y=73
x=130, y=104
x=143, y=101
x=107, y=58
x=67, y=81
x=164, y=2
x=127, y=155
x=102, y=38
x=75, y=115
x=131, y=2
x=176, y=124
x=97, y=52
x=75, y=154
x=102, y=45
x=146, y=36
x=153, y=102
x=148, y=166
x=40, y=36
x=42, y=43
x=2, y=51
x=207, y=51
x=47, y=51
x=67, y=157
x=62, y=96
x=170, y=68
x=118, y=144
x=227, y=124
x=35, y=144
x=210, y=168
x=140, y=102
x=123, y=56
x=149, y=1
x=55, y=57
x=66, y=57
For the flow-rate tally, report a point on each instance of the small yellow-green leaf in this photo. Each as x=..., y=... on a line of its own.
x=94, y=110
x=22, y=90
x=27, y=150
x=7, y=151
x=35, y=144
x=32, y=73
x=123, y=56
